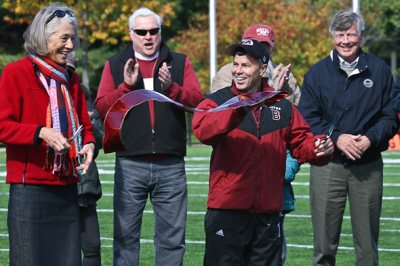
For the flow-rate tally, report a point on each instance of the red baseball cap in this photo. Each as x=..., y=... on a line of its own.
x=260, y=33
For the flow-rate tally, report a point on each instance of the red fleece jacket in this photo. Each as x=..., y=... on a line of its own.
x=23, y=103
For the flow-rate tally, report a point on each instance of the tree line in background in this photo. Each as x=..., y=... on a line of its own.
x=301, y=30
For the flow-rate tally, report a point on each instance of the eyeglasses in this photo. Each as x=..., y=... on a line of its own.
x=144, y=32
x=341, y=36
x=60, y=14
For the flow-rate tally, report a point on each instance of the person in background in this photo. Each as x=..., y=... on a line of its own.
x=348, y=95
x=396, y=95
x=394, y=143
x=289, y=202
x=247, y=165
x=154, y=135
x=41, y=111
x=279, y=76
x=89, y=186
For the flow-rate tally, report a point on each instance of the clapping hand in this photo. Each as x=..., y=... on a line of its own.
x=280, y=77
x=131, y=72
x=165, y=76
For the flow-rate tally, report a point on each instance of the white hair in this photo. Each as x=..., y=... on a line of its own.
x=143, y=11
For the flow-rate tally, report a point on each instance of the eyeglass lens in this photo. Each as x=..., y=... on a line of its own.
x=144, y=32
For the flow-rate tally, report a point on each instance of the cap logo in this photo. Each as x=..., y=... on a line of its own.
x=262, y=31
x=247, y=42
x=264, y=59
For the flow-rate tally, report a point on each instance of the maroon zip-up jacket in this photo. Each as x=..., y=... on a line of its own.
x=247, y=167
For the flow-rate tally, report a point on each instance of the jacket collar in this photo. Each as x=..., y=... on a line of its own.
x=362, y=60
x=163, y=55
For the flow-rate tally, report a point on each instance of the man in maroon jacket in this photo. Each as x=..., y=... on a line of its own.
x=248, y=163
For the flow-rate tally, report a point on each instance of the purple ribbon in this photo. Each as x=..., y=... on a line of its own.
x=137, y=97
x=116, y=114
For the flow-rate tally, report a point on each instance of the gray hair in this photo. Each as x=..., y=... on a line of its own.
x=39, y=32
x=343, y=20
x=143, y=11
x=72, y=60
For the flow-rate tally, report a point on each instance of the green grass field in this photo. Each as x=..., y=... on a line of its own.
x=297, y=223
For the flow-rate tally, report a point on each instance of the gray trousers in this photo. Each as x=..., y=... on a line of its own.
x=165, y=182
x=330, y=186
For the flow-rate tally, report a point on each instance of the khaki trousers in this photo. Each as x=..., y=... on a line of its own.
x=330, y=186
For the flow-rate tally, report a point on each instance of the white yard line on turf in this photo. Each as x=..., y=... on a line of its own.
x=197, y=242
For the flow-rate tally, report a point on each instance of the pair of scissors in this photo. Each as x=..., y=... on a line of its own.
x=330, y=131
x=75, y=134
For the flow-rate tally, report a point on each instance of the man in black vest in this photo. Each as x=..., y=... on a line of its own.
x=154, y=137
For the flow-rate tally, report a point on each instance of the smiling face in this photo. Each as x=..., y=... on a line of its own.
x=347, y=43
x=247, y=73
x=148, y=44
x=61, y=43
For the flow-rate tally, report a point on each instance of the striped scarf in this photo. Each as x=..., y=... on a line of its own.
x=60, y=115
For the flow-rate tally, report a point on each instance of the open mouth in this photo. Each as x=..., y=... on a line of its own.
x=240, y=79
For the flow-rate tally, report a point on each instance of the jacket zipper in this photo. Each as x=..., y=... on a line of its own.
x=353, y=74
x=346, y=85
x=336, y=123
x=257, y=118
x=153, y=131
x=26, y=166
x=153, y=140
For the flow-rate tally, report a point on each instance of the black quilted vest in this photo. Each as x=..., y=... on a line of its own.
x=169, y=133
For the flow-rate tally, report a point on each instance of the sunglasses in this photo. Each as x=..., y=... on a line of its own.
x=144, y=32
x=60, y=14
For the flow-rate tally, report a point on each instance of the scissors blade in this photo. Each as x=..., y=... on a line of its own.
x=330, y=131
x=75, y=134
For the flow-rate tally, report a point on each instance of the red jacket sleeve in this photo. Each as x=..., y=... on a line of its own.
x=12, y=131
x=301, y=141
x=190, y=92
x=209, y=126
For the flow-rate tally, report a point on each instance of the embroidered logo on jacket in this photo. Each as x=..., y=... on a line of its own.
x=368, y=83
x=276, y=112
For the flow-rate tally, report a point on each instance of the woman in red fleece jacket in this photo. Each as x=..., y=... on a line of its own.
x=41, y=112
